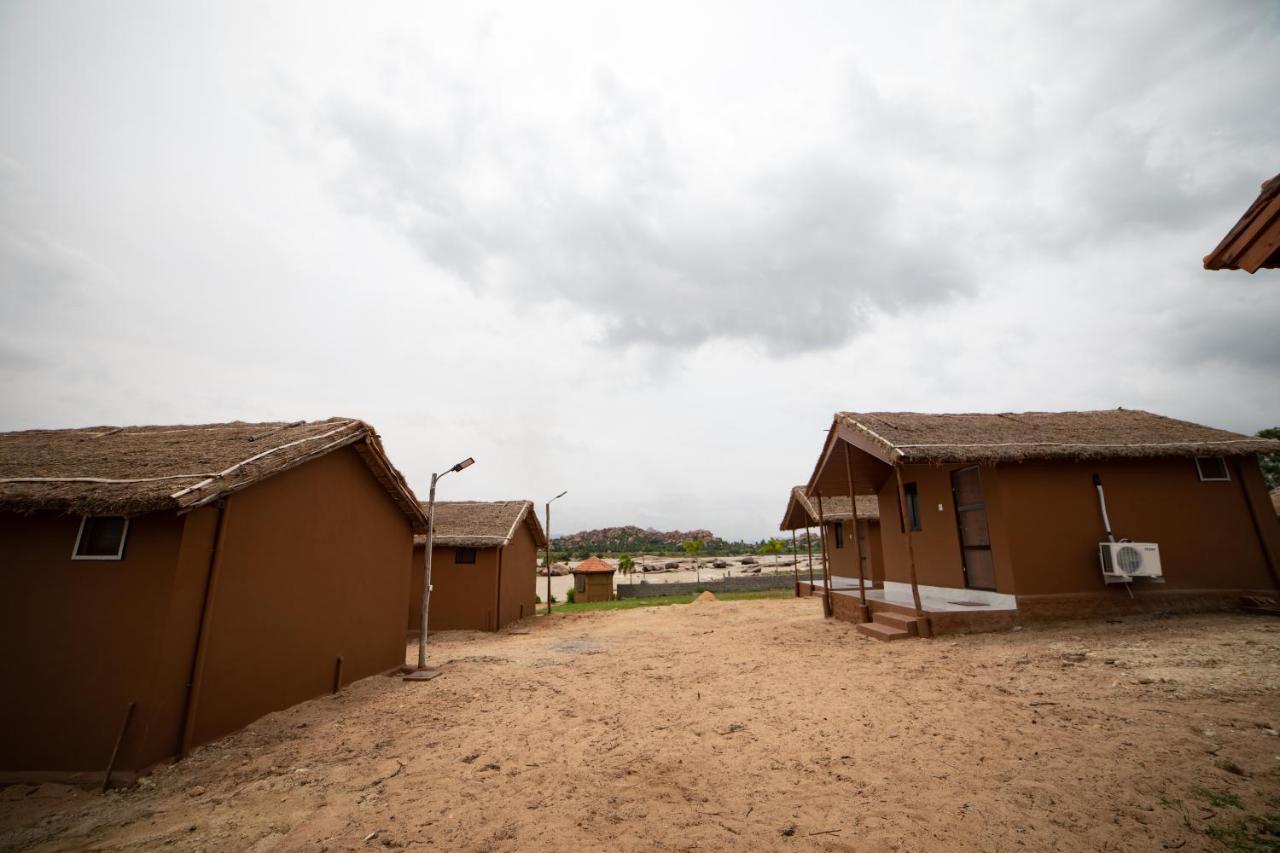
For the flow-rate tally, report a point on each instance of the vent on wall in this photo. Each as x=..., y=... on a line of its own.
x=1212, y=469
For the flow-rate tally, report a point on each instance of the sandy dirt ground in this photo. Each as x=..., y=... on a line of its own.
x=736, y=725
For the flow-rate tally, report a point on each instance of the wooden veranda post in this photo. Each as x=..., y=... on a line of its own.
x=795, y=561
x=826, y=575
x=911, y=552
x=808, y=544
x=857, y=529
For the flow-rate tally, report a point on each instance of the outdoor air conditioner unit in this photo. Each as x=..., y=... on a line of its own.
x=1124, y=561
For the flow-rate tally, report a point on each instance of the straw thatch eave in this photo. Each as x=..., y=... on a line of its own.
x=135, y=470
x=802, y=511
x=482, y=524
x=593, y=566
x=910, y=437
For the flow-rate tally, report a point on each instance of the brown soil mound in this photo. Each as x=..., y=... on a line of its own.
x=707, y=595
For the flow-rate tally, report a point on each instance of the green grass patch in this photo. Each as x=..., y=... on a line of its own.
x=667, y=600
x=1252, y=835
x=1220, y=799
x=1250, y=832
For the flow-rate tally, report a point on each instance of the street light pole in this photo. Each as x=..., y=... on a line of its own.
x=423, y=672
x=548, y=517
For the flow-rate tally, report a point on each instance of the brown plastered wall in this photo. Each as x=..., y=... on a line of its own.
x=314, y=564
x=937, y=543
x=81, y=639
x=842, y=561
x=1098, y=605
x=462, y=597
x=1207, y=540
x=519, y=576
x=599, y=588
x=877, y=554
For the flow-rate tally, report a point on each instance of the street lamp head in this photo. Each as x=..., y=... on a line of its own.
x=559, y=496
x=465, y=463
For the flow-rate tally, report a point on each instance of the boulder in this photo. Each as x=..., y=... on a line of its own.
x=748, y=561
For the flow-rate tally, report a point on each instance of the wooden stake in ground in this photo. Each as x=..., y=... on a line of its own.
x=115, y=751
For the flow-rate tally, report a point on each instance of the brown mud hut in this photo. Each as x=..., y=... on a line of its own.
x=844, y=535
x=484, y=565
x=593, y=580
x=1253, y=243
x=992, y=519
x=163, y=586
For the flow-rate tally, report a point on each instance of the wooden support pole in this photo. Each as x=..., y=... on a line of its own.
x=826, y=572
x=857, y=528
x=808, y=543
x=115, y=751
x=911, y=552
x=1257, y=528
x=186, y=736
x=548, y=558
x=795, y=561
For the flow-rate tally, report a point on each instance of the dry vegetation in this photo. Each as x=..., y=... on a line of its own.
x=750, y=724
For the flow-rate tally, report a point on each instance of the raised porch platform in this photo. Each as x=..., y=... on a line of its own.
x=890, y=613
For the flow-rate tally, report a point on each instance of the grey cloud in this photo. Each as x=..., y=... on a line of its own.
x=620, y=231
x=1235, y=323
x=892, y=214
x=37, y=273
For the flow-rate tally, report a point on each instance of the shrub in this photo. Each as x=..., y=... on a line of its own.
x=569, y=597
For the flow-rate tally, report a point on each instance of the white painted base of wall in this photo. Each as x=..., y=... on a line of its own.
x=941, y=598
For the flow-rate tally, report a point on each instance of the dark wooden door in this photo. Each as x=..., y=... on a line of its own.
x=971, y=518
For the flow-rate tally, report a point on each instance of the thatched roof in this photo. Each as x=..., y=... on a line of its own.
x=593, y=566
x=130, y=470
x=1008, y=437
x=482, y=524
x=1254, y=242
x=802, y=510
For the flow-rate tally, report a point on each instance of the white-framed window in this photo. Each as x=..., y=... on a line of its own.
x=101, y=537
x=1212, y=469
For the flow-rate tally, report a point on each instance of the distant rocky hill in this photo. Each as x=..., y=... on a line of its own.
x=638, y=540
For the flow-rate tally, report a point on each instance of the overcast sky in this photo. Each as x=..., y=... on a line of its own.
x=639, y=252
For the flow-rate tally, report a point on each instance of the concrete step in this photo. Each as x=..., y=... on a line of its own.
x=897, y=620
x=881, y=631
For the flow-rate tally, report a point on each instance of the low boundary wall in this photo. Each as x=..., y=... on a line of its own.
x=743, y=583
